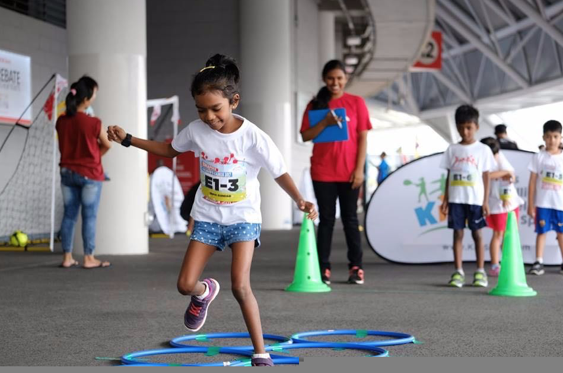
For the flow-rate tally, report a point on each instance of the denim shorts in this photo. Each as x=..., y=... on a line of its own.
x=225, y=235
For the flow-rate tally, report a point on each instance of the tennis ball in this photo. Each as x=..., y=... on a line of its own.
x=18, y=238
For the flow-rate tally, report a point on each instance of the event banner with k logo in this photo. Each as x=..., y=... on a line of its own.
x=404, y=223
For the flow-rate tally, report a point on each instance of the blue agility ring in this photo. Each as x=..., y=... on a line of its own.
x=399, y=338
x=177, y=342
x=380, y=352
x=132, y=358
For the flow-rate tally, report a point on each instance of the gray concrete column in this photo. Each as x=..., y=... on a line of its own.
x=265, y=29
x=327, y=37
x=107, y=40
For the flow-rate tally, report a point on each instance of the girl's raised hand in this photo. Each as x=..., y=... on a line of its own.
x=116, y=133
x=309, y=208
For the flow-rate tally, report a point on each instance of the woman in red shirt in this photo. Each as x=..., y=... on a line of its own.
x=82, y=142
x=337, y=168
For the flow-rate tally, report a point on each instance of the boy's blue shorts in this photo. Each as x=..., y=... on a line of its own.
x=225, y=235
x=461, y=215
x=548, y=220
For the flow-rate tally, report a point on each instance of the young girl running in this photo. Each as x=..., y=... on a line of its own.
x=226, y=210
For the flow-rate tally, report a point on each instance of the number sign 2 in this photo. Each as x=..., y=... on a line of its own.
x=431, y=55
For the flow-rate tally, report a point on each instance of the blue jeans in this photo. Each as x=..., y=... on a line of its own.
x=79, y=191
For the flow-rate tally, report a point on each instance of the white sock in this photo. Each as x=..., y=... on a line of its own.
x=495, y=266
x=261, y=356
x=482, y=270
x=539, y=260
x=205, y=293
x=460, y=271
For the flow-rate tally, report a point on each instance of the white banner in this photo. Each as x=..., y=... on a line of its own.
x=403, y=222
x=15, y=87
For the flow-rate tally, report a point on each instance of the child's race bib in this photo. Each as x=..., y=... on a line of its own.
x=223, y=181
x=463, y=178
x=505, y=190
x=552, y=179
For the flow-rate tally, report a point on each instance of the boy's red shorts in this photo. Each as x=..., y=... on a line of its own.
x=498, y=221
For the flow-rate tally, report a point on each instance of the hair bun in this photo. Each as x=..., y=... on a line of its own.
x=227, y=63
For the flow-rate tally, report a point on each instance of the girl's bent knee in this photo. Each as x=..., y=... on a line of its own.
x=242, y=293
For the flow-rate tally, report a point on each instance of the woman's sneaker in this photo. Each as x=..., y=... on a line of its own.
x=325, y=276
x=196, y=313
x=537, y=269
x=356, y=276
x=261, y=362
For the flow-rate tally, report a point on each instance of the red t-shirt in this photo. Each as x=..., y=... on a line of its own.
x=78, y=143
x=336, y=161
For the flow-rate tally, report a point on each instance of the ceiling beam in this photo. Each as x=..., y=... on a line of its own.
x=502, y=33
x=549, y=29
x=452, y=86
x=485, y=49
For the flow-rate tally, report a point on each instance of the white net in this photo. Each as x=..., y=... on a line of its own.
x=26, y=166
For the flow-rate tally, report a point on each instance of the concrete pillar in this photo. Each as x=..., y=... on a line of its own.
x=327, y=34
x=107, y=40
x=265, y=62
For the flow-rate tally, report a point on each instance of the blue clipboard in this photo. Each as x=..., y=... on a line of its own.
x=331, y=133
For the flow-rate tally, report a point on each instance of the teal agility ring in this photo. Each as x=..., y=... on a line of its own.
x=398, y=338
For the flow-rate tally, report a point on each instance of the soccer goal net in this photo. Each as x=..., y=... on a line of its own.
x=30, y=195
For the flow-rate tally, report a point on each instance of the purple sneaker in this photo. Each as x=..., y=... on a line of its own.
x=261, y=362
x=196, y=313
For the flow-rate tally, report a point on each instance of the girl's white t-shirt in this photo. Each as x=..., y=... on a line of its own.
x=549, y=184
x=503, y=190
x=229, y=164
x=466, y=164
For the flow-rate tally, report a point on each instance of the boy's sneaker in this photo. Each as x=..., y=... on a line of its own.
x=356, y=276
x=325, y=276
x=196, y=313
x=261, y=362
x=480, y=280
x=494, y=272
x=457, y=280
x=537, y=269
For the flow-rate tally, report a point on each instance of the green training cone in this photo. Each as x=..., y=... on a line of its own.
x=512, y=277
x=307, y=277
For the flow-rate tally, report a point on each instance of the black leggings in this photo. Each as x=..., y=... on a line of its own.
x=327, y=193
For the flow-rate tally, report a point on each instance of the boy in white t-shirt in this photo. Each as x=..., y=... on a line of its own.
x=545, y=197
x=467, y=192
x=503, y=199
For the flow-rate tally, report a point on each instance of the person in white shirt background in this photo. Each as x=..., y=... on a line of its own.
x=466, y=200
x=545, y=192
x=503, y=199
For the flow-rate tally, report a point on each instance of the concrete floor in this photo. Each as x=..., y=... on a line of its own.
x=56, y=317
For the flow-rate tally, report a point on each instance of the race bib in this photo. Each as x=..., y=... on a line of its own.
x=223, y=181
x=505, y=190
x=552, y=180
x=463, y=178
